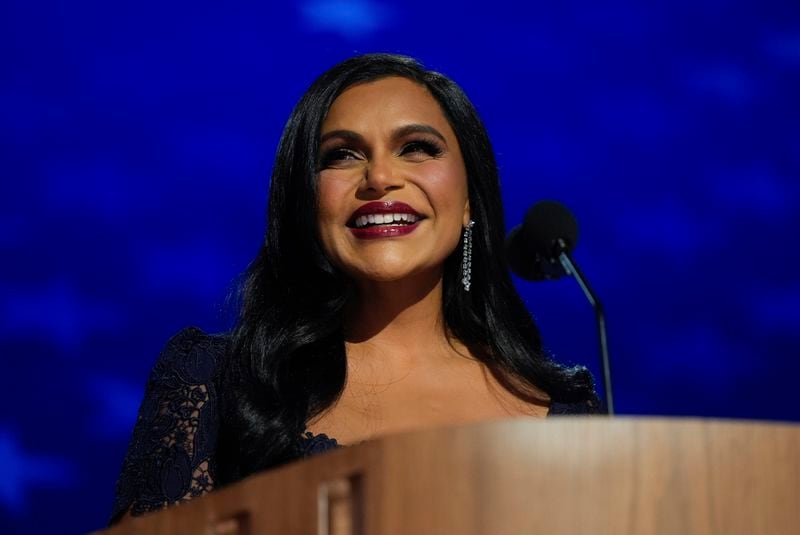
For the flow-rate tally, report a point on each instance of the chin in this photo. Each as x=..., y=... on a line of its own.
x=395, y=273
x=383, y=275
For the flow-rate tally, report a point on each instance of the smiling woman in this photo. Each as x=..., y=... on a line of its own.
x=380, y=300
x=387, y=150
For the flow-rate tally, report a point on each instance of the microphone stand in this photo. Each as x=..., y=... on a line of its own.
x=572, y=268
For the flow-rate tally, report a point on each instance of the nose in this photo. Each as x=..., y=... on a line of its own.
x=382, y=175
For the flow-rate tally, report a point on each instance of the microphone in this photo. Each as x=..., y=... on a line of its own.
x=533, y=248
x=540, y=249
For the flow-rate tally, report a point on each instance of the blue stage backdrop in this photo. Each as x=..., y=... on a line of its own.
x=136, y=145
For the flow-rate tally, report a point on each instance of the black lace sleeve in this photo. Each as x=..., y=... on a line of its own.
x=170, y=456
x=591, y=406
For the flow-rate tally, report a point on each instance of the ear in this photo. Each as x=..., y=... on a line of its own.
x=466, y=214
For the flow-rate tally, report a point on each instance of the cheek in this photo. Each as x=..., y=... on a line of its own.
x=333, y=191
x=446, y=187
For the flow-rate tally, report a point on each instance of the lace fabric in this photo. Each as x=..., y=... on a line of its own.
x=170, y=458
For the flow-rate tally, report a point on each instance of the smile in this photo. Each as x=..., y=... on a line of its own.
x=384, y=219
x=383, y=213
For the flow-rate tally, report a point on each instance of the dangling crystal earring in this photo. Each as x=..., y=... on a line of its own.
x=466, y=256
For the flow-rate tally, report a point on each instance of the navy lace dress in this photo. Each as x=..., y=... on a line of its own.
x=170, y=458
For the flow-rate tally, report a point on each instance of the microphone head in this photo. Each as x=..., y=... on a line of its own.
x=532, y=248
x=521, y=259
x=545, y=224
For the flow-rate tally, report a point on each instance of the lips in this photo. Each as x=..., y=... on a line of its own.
x=375, y=213
x=384, y=219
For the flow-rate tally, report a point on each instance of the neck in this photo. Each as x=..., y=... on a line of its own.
x=399, y=319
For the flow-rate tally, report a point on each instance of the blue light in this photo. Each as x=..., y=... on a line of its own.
x=349, y=18
x=23, y=471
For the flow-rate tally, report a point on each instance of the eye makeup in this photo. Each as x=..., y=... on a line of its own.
x=421, y=146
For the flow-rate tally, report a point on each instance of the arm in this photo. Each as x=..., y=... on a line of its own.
x=170, y=456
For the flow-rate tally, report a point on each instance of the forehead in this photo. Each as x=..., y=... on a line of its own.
x=385, y=103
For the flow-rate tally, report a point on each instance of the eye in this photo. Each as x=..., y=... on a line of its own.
x=421, y=148
x=337, y=156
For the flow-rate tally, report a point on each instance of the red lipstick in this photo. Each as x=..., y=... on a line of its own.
x=383, y=207
x=367, y=222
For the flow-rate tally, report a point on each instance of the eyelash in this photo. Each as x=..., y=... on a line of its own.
x=428, y=147
x=338, y=154
x=335, y=154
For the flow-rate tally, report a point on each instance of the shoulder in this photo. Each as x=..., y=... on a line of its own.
x=590, y=406
x=191, y=356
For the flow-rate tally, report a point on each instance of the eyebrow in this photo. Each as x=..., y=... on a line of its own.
x=397, y=133
x=418, y=128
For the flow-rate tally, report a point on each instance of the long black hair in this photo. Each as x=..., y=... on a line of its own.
x=287, y=361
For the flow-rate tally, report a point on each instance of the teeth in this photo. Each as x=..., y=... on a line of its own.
x=383, y=219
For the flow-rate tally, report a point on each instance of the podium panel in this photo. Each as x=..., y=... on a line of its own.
x=522, y=476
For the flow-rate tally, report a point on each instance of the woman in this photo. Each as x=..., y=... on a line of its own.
x=379, y=302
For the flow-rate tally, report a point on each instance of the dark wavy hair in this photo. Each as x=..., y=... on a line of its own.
x=287, y=359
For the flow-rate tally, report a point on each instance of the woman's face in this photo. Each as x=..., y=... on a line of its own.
x=392, y=183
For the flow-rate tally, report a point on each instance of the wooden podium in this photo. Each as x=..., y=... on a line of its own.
x=519, y=477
